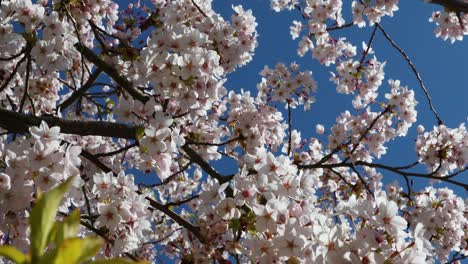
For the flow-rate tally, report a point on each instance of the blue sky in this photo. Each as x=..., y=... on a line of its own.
x=443, y=67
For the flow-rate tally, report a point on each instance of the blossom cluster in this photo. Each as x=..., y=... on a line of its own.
x=278, y=216
x=373, y=129
x=285, y=85
x=442, y=214
x=121, y=211
x=364, y=79
x=450, y=25
x=39, y=162
x=443, y=149
x=256, y=124
x=373, y=10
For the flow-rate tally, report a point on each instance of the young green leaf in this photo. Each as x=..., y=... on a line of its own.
x=139, y=132
x=13, y=254
x=77, y=250
x=116, y=261
x=67, y=229
x=43, y=217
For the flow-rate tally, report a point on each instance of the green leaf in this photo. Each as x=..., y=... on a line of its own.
x=43, y=217
x=139, y=132
x=292, y=260
x=77, y=250
x=189, y=81
x=91, y=247
x=117, y=261
x=67, y=229
x=110, y=105
x=13, y=254
x=235, y=224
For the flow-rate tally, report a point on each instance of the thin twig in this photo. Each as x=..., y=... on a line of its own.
x=386, y=110
x=199, y=9
x=26, y=84
x=80, y=92
x=454, y=260
x=170, y=178
x=363, y=181
x=195, y=230
x=340, y=27
x=13, y=56
x=415, y=71
x=182, y=201
x=211, y=144
x=369, y=43
x=289, y=128
x=430, y=175
x=115, y=152
x=13, y=73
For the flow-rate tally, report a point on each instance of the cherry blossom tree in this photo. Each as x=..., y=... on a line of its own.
x=130, y=101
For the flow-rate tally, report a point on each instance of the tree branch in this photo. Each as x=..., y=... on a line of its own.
x=20, y=123
x=80, y=92
x=205, y=166
x=455, y=5
x=388, y=168
x=112, y=72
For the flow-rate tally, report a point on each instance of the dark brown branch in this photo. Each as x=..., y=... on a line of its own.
x=408, y=166
x=103, y=235
x=112, y=72
x=452, y=5
x=93, y=159
x=205, y=166
x=20, y=123
x=150, y=21
x=336, y=28
x=353, y=186
x=457, y=259
x=80, y=92
x=26, y=84
x=199, y=9
x=162, y=239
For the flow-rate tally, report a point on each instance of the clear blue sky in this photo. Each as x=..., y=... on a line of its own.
x=443, y=67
